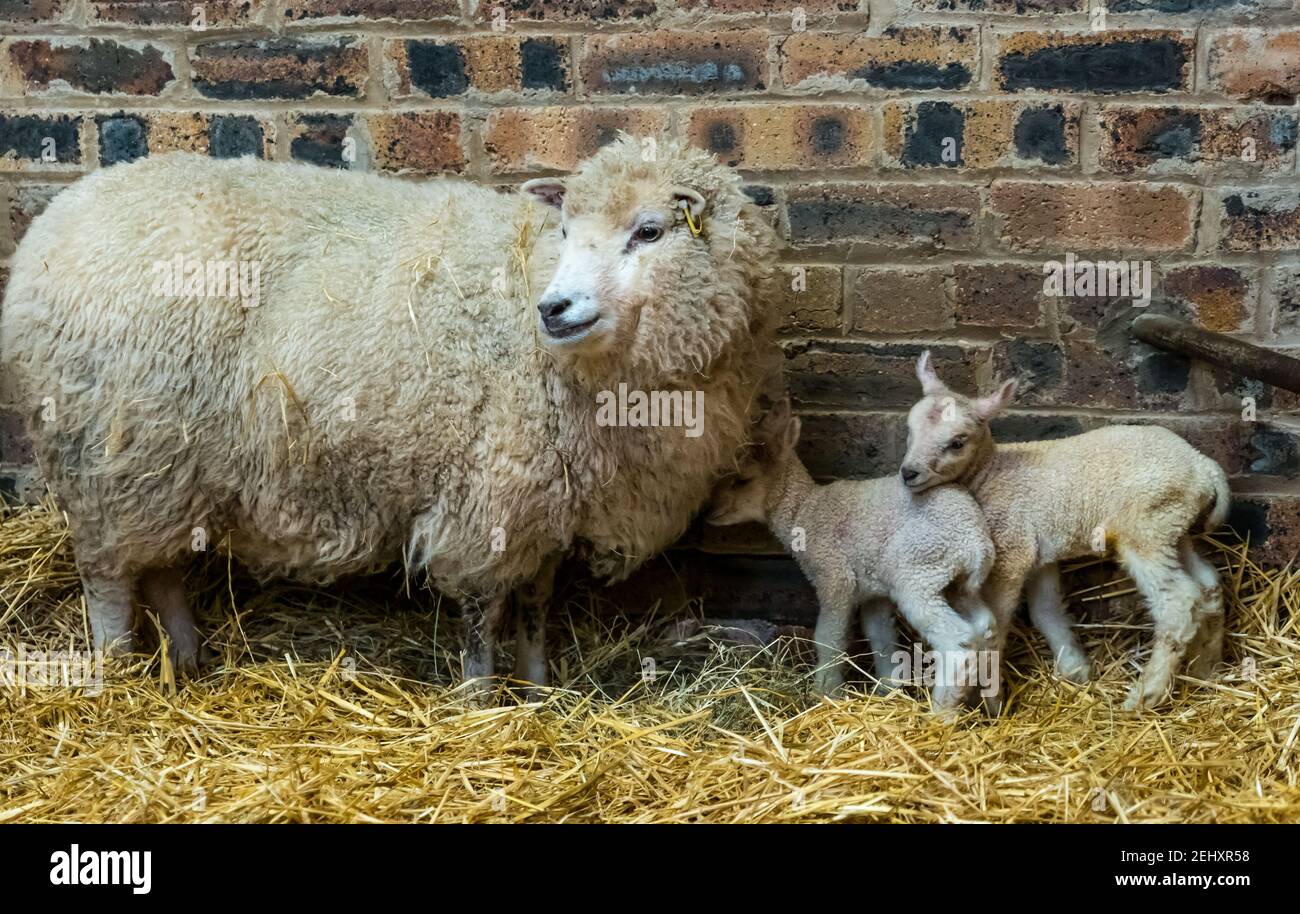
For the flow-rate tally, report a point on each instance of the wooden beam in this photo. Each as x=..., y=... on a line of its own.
x=1225, y=351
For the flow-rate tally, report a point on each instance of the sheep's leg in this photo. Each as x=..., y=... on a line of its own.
x=482, y=618
x=1206, y=649
x=110, y=606
x=969, y=602
x=1002, y=596
x=948, y=635
x=1047, y=612
x=531, y=603
x=163, y=590
x=831, y=634
x=881, y=631
x=1171, y=594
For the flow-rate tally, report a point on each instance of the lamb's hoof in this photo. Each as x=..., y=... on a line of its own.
x=1075, y=668
x=189, y=659
x=992, y=704
x=1142, y=696
x=1202, y=666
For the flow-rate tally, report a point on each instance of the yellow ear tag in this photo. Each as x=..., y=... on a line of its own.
x=697, y=228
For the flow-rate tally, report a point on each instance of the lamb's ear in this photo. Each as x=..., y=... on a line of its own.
x=994, y=403
x=773, y=424
x=930, y=383
x=549, y=190
x=692, y=199
x=791, y=437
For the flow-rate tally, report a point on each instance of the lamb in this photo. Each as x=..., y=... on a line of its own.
x=398, y=390
x=869, y=542
x=1134, y=491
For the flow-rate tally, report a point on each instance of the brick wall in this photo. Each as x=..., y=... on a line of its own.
x=922, y=158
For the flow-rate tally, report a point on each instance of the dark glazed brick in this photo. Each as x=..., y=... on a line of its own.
x=926, y=138
x=1013, y=427
x=230, y=137
x=852, y=445
x=1261, y=220
x=25, y=136
x=914, y=57
x=1038, y=365
x=307, y=10
x=1040, y=134
x=319, y=139
x=596, y=11
x=761, y=194
x=682, y=63
x=97, y=66
x=32, y=10
x=280, y=68
x=542, y=64
x=885, y=215
x=437, y=69
x=1277, y=453
x=122, y=138
x=1097, y=64
x=859, y=375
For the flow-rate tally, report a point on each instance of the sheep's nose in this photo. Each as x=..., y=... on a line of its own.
x=909, y=474
x=553, y=307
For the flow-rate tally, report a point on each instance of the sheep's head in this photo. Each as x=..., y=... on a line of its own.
x=657, y=261
x=948, y=434
x=745, y=495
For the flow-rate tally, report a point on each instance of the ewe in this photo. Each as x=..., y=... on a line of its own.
x=391, y=391
x=1136, y=490
x=865, y=543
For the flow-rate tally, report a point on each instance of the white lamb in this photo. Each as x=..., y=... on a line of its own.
x=391, y=391
x=866, y=543
x=1134, y=491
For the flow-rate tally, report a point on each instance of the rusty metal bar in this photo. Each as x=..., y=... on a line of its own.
x=1228, y=352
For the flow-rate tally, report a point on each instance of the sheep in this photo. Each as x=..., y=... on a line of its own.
x=413, y=377
x=866, y=543
x=1136, y=492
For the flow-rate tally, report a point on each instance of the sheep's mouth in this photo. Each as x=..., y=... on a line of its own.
x=570, y=332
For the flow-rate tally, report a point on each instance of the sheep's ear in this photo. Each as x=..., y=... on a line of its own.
x=549, y=190
x=777, y=417
x=791, y=437
x=692, y=200
x=930, y=383
x=994, y=403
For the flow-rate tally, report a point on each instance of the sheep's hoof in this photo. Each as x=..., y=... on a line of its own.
x=1074, y=668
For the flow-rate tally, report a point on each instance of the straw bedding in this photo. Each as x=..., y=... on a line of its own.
x=338, y=706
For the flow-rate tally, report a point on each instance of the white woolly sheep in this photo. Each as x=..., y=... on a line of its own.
x=1134, y=491
x=865, y=543
x=389, y=391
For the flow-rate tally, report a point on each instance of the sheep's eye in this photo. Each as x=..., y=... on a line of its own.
x=956, y=444
x=564, y=233
x=648, y=233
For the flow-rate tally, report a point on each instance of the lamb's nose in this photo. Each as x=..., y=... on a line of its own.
x=553, y=307
x=909, y=474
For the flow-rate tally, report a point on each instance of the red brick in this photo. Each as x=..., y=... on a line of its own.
x=910, y=217
x=126, y=136
x=401, y=10
x=1256, y=64
x=424, y=142
x=558, y=138
x=483, y=64
x=889, y=300
x=840, y=445
x=173, y=13
x=855, y=374
x=280, y=68
x=1168, y=140
x=676, y=63
x=35, y=10
x=1061, y=216
x=1019, y=7
x=94, y=65
x=999, y=294
x=809, y=302
x=984, y=134
x=929, y=57
x=1221, y=298
x=1260, y=219
x=780, y=137
x=1271, y=523
x=587, y=11
x=1105, y=62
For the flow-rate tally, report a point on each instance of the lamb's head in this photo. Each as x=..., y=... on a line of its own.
x=948, y=436
x=746, y=495
x=660, y=257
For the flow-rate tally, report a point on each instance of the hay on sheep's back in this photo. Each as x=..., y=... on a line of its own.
x=339, y=706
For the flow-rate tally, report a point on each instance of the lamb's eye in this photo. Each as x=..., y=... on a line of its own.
x=564, y=233
x=956, y=444
x=648, y=233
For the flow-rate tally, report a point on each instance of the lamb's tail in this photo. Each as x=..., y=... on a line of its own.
x=1218, y=513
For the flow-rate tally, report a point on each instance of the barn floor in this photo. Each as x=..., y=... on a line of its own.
x=335, y=707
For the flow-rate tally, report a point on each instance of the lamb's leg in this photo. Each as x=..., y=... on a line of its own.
x=1047, y=612
x=881, y=631
x=481, y=618
x=1002, y=596
x=163, y=590
x=1170, y=594
x=531, y=603
x=110, y=606
x=1206, y=649
x=951, y=637
x=831, y=634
